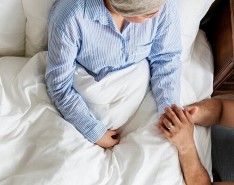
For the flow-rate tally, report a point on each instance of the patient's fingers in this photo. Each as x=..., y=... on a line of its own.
x=172, y=116
x=115, y=141
x=179, y=112
x=167, y=123
x=109, y=139
x=114, y=134
x=160, y=119
x=164, y=131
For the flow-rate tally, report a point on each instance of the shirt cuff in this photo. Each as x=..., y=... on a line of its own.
x=96, y=133
x=165, y=104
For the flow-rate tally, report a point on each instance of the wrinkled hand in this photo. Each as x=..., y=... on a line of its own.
x=177, y=126
x=109, y=139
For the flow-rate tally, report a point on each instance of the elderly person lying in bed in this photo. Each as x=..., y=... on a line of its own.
x=107, y=36
x=177, y=126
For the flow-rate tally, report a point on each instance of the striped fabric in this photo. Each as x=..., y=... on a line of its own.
x=83, y=32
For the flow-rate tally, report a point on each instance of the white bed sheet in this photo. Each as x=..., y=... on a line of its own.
x=37, y=146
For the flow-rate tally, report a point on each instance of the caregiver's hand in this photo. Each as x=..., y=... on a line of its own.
x=177, y=126
x=109, y=139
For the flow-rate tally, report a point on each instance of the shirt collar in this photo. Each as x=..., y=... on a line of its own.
x=97, y=11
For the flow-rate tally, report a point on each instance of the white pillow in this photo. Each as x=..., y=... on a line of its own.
x=36, y=12
x=12, y=28
x=199, y=72
x=191, y=13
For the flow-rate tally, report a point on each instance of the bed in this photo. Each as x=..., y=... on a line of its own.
x=37, y=146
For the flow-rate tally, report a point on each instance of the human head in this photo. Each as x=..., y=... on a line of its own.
x=137, y=10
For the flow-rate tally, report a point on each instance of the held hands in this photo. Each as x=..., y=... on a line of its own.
x=177, y=126
x=109, y=139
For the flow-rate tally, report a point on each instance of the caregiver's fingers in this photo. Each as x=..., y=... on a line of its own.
x=189, y=116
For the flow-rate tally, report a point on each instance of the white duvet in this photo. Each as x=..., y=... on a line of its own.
x=38, y=147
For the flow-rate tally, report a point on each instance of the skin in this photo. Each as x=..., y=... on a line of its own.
x=214, y=111
x=206, y=113
x=111, y=137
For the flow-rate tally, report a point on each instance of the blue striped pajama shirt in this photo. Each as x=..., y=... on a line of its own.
x=83, y=32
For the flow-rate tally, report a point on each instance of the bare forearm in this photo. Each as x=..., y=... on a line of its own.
x=209, y=112
x=214, y=111
x=227, y=116
x=193, y=171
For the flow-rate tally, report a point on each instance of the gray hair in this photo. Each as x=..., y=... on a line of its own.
x=130, y=8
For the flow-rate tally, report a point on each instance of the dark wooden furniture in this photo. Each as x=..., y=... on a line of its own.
x=219, y=27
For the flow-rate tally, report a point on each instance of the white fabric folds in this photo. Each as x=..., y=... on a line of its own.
x=115, y=98
x=37, y=146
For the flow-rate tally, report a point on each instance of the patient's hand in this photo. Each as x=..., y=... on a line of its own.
x=177, y=126
x=109, y=139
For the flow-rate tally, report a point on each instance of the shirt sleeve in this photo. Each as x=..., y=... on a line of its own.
x=164, y=58
x=62, y=52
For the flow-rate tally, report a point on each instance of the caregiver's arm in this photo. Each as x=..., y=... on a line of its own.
x=181, y=135
x=192, y=168
x=214, y=111
x=164, y=59
x=63, y=46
